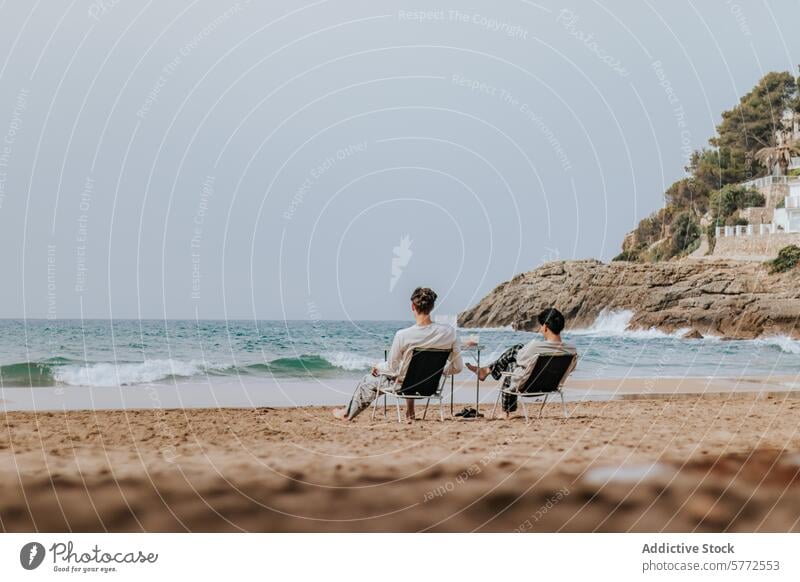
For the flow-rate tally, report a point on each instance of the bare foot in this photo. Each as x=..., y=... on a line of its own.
x=340, y=413
x=482, y=373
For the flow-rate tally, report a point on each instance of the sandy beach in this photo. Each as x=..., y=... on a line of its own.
x=683, y=462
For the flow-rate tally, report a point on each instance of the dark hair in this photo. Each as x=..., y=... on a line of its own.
x=423, y=299
x=553, y=319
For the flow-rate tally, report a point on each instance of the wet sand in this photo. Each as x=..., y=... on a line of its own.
x=680, y=463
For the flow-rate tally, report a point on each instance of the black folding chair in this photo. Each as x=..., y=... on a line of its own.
x=423, y=380
x=547, y=375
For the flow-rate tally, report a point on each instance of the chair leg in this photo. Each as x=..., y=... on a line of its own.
x=425, y=412
x=375, y=406
x=499, y=394
x=543, y=403
x=397, y=402
x=441, y=410
x=524, y=409
x=563, y=404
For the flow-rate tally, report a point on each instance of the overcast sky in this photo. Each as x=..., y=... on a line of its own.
x=320, y=160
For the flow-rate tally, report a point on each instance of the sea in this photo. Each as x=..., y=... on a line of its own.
x=119, y=363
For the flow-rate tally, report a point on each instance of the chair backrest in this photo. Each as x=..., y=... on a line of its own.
x=424, y=371
x=548, y=373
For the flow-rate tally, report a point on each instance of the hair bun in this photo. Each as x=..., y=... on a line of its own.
x=423, y=299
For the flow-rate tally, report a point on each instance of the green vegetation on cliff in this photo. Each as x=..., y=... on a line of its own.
x=738, y=152
x=788, y=258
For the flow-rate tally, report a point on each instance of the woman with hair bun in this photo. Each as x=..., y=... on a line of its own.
x=423, y=334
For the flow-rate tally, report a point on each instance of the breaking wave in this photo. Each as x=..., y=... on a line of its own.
x=615, y=324
x=126, y=374
x=61, y=371
x=782, y=342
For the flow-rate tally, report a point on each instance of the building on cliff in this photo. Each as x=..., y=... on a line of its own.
x=777, y=223
x=787, y=218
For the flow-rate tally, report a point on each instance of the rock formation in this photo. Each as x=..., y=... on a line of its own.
x=732, y=299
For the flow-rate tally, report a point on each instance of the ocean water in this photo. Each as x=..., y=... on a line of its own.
x=102, y=353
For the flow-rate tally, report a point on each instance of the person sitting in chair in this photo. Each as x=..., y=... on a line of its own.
x=423, y=334
x=517, y=358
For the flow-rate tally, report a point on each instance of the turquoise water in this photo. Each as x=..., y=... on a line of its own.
x=101, y=353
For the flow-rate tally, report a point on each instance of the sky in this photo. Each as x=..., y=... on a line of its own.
x=320, y=160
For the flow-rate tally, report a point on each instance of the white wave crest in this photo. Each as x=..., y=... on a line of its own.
x=109, y=374
x=610, y=323
x=348, y=361
x=784, y=343
x=615, y=324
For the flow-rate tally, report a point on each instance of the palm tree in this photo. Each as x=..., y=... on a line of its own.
x=779, y=155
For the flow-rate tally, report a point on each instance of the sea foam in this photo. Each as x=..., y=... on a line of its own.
x=349, y=361
x=784, y=343
x=124, y=374
x=614, y=323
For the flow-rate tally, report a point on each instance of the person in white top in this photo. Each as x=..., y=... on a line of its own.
x=517, y=358
x=423, y=334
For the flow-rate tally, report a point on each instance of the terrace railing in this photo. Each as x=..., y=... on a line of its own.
x=746, y=230
x=766, y=181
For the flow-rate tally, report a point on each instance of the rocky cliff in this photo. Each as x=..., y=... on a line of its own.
x=732, y=299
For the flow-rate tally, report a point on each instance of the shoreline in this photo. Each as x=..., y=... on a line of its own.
x=231, y=392
x=532, y=404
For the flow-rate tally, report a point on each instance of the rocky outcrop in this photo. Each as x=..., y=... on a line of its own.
x=733, y=299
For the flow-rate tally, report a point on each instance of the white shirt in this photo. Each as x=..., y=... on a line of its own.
x=433, y=335
x=527, y=356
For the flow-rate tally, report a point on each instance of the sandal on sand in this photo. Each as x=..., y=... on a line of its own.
x=469, y=413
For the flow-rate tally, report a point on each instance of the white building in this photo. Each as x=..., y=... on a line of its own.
x=788, y=217
x=783, y=220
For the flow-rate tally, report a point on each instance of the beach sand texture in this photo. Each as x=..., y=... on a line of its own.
x=681, y=463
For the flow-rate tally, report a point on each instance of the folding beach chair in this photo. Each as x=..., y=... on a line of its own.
x=424, y=379
x=547, y=376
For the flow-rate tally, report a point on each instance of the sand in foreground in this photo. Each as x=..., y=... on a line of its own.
x=687, y=463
